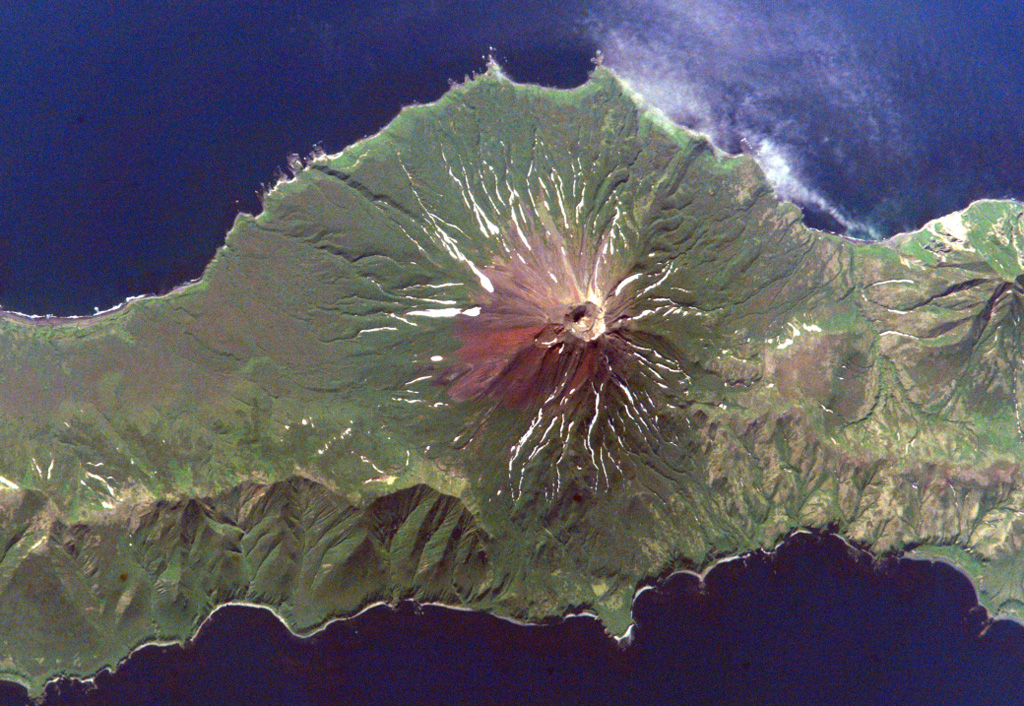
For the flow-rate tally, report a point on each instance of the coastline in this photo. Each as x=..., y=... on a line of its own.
x=580, y=587
x=84, y=320
x=623, y=640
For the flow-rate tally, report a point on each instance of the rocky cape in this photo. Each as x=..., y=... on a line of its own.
x=520, y=352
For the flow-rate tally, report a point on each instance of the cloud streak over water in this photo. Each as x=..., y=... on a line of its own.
x=874, y=121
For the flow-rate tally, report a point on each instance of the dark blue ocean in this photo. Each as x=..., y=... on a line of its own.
x=815, y=623
x=133, y=131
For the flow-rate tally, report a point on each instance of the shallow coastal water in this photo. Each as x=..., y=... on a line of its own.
x=816, y=621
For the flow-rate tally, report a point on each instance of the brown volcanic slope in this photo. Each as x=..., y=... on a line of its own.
x=518, y=352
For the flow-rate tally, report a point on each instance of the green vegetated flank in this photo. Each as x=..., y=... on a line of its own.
x=520, y=351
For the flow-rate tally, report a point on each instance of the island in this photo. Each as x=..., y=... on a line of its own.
x=522, y=351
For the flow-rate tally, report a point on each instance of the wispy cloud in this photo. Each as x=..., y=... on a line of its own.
x=785, y=79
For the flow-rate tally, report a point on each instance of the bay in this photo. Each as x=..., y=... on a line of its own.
x=815, y=621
